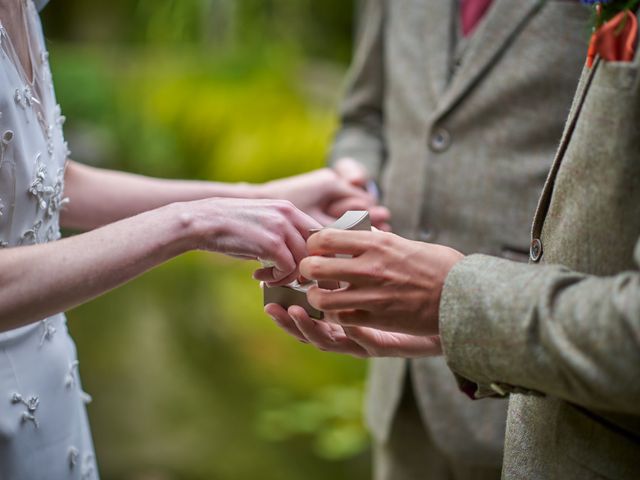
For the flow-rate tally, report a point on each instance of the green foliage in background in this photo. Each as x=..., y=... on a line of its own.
x=190, y=380
x=321, y=29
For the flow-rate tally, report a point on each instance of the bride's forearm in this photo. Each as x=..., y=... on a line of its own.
x=99, y=197
x=42, y=280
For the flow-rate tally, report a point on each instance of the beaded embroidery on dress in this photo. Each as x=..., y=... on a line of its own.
x=44, y=431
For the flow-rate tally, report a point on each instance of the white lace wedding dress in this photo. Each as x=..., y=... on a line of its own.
x=44, y=432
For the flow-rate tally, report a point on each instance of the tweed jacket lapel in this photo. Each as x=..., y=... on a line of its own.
x=505, y=19
x=574, y=113
x=439, y=36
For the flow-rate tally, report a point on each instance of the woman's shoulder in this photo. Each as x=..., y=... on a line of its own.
x=40, y=4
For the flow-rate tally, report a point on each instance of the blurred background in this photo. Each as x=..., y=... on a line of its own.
x=190, y=380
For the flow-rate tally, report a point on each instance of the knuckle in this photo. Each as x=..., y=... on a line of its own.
x=318, y=299
x=322, y=303
x=373, y=244
x=271, y=243
x=285, y=207
x=328, y=174
x=278, y=222
x=312, y=296
x=323, y=239
x=376, y=269
x=313, y=266
x=384, y=240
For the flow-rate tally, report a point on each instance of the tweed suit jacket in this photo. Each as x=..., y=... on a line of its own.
x=562, y=335
x=462, y=140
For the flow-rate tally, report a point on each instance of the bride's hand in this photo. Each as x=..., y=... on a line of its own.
x=272, y=231
x=326, y=194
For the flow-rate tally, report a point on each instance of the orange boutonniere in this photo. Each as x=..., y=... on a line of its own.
x=615, y=34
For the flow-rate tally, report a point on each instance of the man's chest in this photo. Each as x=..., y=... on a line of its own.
x=592, y=222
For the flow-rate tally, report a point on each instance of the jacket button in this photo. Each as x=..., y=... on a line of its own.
x=535, y=252
x=440, y=140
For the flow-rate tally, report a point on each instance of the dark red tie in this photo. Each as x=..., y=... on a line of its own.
x=472, y=12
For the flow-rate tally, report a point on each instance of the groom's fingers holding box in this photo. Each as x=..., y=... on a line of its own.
x=331, y=241
x=322, y=269
x=295, y=293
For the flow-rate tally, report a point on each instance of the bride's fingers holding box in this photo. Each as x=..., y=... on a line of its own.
x=269, y=230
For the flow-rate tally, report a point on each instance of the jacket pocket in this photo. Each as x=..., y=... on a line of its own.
x=617, y=76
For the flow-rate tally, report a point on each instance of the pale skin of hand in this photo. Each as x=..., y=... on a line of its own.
x=326, y=194
x=41, y=280
x=390, y=307
x=361, y=342
x=138, y=223
x=395, y=284
x=105, y=196
x=357, y=175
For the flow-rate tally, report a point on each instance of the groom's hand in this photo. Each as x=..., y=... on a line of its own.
x=357, y=175
x=394, y=284
x=327, y=194
x=359, y=342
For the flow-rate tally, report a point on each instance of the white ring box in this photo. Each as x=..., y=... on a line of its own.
x=296, y=293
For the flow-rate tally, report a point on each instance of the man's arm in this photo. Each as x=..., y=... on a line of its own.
x=360, y=136
x=514, y=326
x=545, y=329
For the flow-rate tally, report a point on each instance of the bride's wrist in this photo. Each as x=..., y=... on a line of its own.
x=185, y=227
x=265, y=191
x=254, y=191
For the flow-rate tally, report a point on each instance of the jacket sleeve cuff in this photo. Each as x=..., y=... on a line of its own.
x=474, y=325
